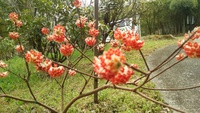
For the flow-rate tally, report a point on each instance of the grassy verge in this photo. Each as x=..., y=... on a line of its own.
x=48, y=91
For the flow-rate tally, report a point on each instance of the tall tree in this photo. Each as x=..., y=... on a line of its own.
x=182, y=8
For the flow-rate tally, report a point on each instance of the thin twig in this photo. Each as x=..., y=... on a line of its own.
x=57, y=82
x=144, y=60
x=2, y=90
x=12, y=73
x=30, y=90
x=172, y=89
x=85, y=84
x=175, y=51
x=170, y=59
x=167, y=68
x=140, y=71
x=27, y=66
x=77, y=70
x=157, y=102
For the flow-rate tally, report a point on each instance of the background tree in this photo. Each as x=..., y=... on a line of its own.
x=113, y=12
x=169, y=16
x=182, y=8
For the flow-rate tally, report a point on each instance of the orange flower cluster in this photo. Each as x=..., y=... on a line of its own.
x=59, y=33
x=58, y=36
x=114, y=43
x=3, y=65
x=81, y=22
x=14, y=35
x=77, y=3
x=93, y=32
x=110, y=66
x=66, y=49
x=14, y=17
x=123, y=75
x=44, y=64
x=34, y=56
x=19, y=48
x=45, y=31
x=71, y=72
x=56, y=71
x=90, y=41
x=129, y=39
x=190, y=48
x=3, y=74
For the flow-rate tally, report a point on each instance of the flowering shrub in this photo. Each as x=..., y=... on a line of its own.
x=111, y=66
x=3, y=65
x=90, y=41
x=189, y=45
x=56, y=71
x=14, y=35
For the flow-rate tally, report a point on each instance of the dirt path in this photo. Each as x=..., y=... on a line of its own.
x=184, y=74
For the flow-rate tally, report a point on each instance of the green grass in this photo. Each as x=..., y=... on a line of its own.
x=48, y=91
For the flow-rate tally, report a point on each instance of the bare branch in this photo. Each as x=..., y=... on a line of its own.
x=172, y=89
x=157, y=102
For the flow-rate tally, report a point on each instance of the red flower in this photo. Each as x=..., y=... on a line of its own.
x=3, y=74
x=59, y=33
x=56, y=71
x=14, y=35
x=101, y=47
x=2, y=64
x=114, y=43
x=59, y=38
x=19, y=48
x=18, y=23
x=180, y=56
x=134, y=65
x=77, y=3
x=50, y=37
x=45, y=65
x=34, y=56
x=72, y=72
x=58, y=29
x=93, y=32
x=132, y=40
x=90, y=41
x=180, y=42
x=13, y=16
x=108, y=65
x=81, y=22
x=122, y=76
x=129, y=40
x=67, y=49
x=126, y=48
x=192, y=49
x=45, y=31
x=91, y=24
x=119, y=35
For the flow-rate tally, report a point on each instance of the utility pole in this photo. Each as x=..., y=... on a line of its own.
x=96, y=52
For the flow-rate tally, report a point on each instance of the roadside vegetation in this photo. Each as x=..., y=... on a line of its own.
x=47, y=89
